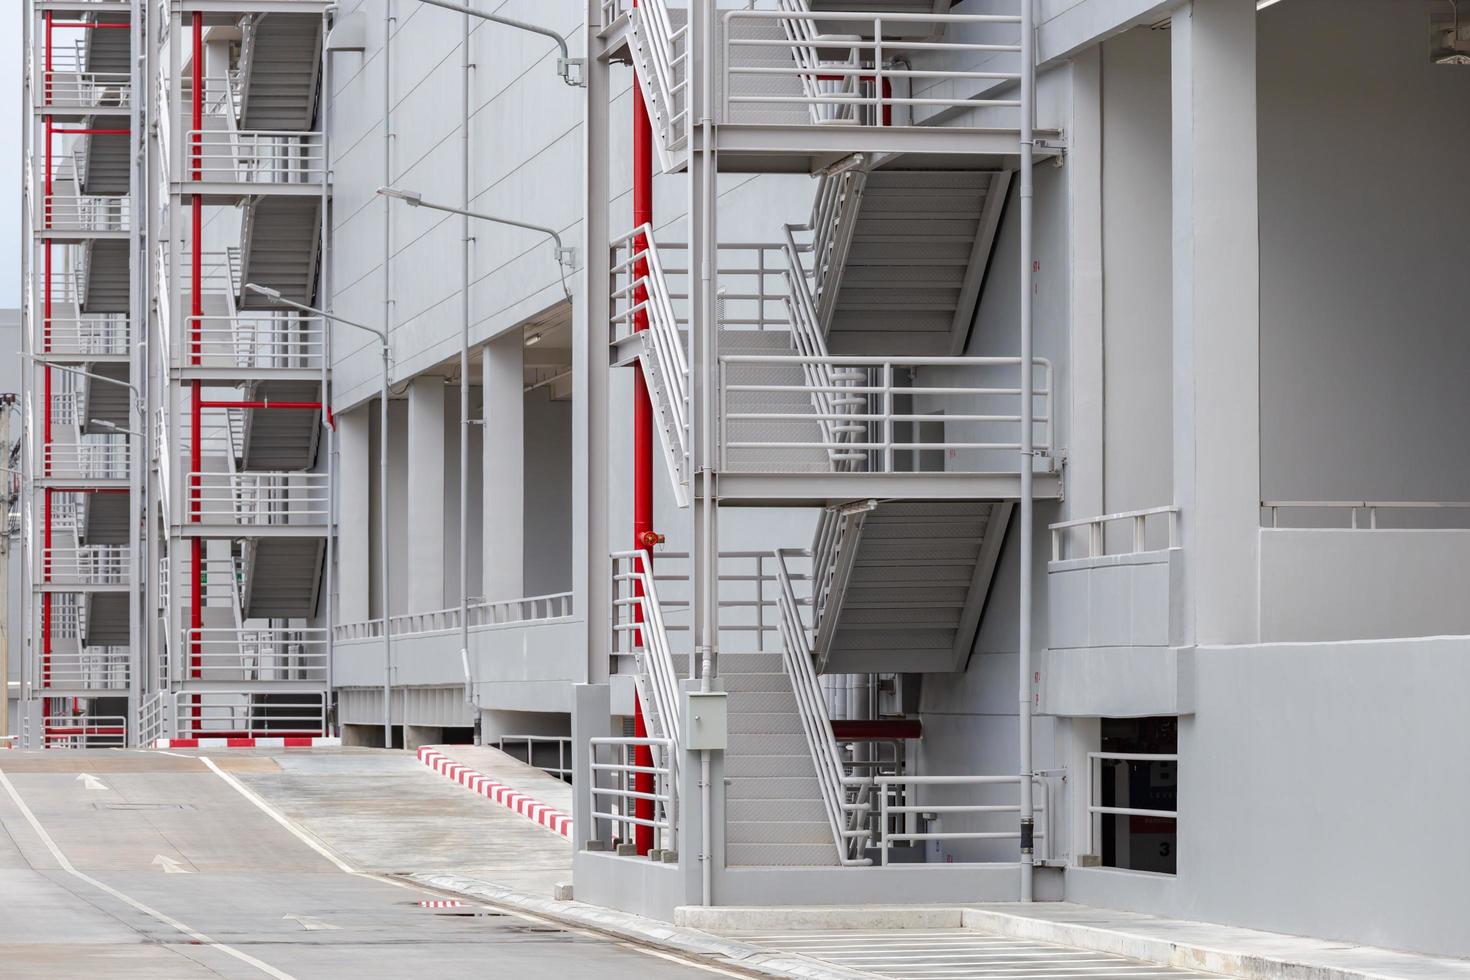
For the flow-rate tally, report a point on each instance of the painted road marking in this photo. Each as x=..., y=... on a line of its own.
x=90, y=781
x=308, y=923
x=170, y=866
x=441, y=903
x=475, y=781
x=147, y=910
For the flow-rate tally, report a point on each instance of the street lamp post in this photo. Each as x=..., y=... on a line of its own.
x=274, y=296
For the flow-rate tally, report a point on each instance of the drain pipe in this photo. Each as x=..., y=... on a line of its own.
x=388, y=21
x=710, y=577
x=464, y=380
x=1028, y=457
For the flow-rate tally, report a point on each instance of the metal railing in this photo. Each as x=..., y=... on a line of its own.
x=152, y=718
x=1095, y=810
x=244, y=714
x=563, y=768
x=636, y=611
x=850, y=68
x=258, y=340
x=661, y=59
x=615, y=796
x=75, y=89
x=88, y=213
x=91, y=564
x=87, y=460
x=1370, y=508
x=87, y=669
x=257, y=653
x=255, y=156
x=844, y=797
x=829, y=229
x=1096, y=528
x=749, y=599
x=897, y=820
x=897, y=401
x=85, y=732
x=89, y=335
x=501, y=612
x=260, y=499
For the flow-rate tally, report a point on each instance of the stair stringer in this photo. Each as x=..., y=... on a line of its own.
x=672, y=440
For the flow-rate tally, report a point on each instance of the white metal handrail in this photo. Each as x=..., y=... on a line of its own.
x=259, y=340
x=881, y=415
x=640, y=285
x=87, y=669
x=636, y=610
x=257, y=499
x=256, y=156
x=1096, y=528
x=151, y=718
x=87, y=460
x=90, y=564
x=90, y=335
x=258, y=653
x=843, y=814
x=88, y=213
x=910, y=809
x=1096, y=810
x=75, y=89
x=1353, y=507
x=85, y=732
x=874, y=69
x=246, y=713
x=615, y=802
x=484, y=614
x=661, y=59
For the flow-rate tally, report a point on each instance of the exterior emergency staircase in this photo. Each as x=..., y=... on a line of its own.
x=280, y=67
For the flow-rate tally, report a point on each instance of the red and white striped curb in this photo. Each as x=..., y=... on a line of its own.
x=280, y=742
x=440, y=903
x=477, y=782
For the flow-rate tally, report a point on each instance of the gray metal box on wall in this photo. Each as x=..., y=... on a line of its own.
x=705, y=714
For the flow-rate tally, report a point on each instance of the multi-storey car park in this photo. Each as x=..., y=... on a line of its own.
x=881, y=450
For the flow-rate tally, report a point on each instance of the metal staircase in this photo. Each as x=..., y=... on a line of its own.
x=281, y=439
x=282, y=577
x=913, y=261
x=107, y=171
x=906, y=584
x=279, y=245
x=280, y=65
x=106, y=281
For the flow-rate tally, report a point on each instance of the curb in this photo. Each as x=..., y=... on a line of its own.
x=278, y=742
x=648, y=932
x=1186, y=955
x=475, y=781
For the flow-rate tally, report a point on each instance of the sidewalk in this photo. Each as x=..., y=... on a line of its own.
x=1224, y=950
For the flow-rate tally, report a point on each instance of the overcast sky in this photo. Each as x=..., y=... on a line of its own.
x=10, y=164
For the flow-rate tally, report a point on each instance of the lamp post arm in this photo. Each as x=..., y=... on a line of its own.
x=563, y=64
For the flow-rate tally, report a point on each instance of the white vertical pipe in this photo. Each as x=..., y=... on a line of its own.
x=388, y=21
x=325, y=302
x=1028, y=103
x=464, y=372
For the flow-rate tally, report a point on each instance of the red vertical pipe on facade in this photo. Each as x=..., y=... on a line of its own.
x=643, y=533
x=196, y=311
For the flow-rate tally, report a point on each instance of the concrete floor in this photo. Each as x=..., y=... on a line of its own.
x=158, y=867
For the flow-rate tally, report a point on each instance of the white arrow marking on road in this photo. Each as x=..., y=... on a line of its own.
x=310, y=924
x=91, y=781
x=171, y=866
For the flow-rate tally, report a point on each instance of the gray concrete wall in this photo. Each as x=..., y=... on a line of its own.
x=1352, y=824
x=1362, y=347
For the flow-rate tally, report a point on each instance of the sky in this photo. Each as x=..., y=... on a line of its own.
x=11, y=61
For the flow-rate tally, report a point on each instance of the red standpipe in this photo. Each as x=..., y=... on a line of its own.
x=196, y=313
x=46, y=599
x=644, y=537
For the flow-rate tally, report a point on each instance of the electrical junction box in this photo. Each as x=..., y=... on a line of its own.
x=705, y=714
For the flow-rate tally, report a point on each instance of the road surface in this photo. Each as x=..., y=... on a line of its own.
x=152, y=865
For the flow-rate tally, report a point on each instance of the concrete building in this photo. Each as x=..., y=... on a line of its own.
x=902, y=451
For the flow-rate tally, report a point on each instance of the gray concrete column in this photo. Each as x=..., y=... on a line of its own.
x=505, y=455
x=425, y=504
x=1216, y=279
x=356, y=530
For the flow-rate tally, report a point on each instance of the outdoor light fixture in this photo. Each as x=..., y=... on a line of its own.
x=273, y=295
x=534, y=339
x=1449, y=48
x=412, y=198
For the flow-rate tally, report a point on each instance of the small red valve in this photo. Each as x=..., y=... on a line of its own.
x=650, y=538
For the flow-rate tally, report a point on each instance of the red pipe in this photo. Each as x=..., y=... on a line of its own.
x=644, y=537
x=196, y=279
x=46, y=640
x=89, y=131
x=262, y=404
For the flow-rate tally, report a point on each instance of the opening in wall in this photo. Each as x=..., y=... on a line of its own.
x=1133, y=801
